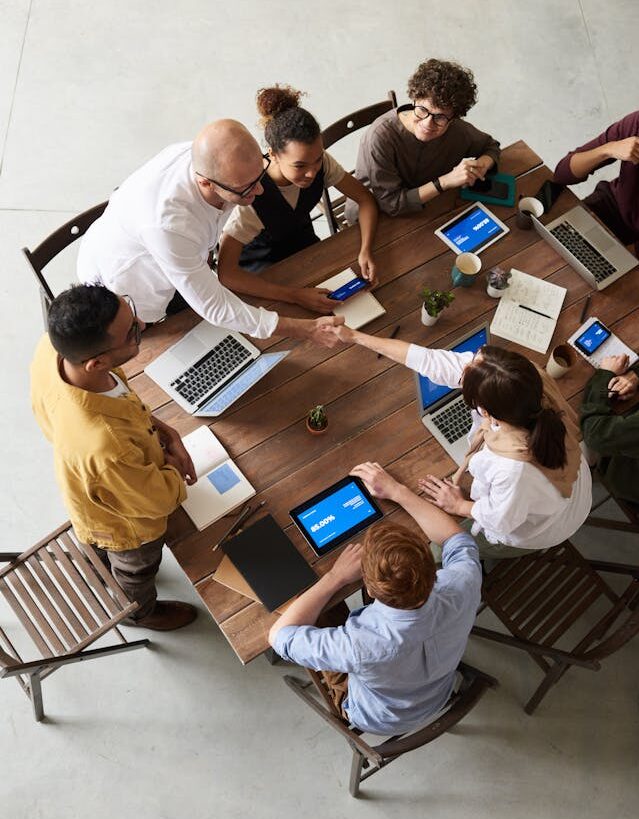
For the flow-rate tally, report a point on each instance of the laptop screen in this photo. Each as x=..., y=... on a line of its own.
x=431, y=393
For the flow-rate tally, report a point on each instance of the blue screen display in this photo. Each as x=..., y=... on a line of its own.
x=592, y=339
x=472, y=231
x=332, y=516
x=429, y=392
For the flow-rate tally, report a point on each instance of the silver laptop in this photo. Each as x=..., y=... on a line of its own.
x=443, y=410
x=595, y=254
x=210, y=368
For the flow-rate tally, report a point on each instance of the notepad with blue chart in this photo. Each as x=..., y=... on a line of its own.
x=528, y=311
x=220, y=487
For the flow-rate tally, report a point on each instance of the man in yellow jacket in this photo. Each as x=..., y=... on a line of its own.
x=121, y=470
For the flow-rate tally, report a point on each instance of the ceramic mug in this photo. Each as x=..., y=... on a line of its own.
x=526, y=206
x=560, y=361
x=465, y=269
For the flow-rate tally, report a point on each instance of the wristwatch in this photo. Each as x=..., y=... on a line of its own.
x=438, y=185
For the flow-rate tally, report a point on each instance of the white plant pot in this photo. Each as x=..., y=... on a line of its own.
x=494, y=293
x=427, y=319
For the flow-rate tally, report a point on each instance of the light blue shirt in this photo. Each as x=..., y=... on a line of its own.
x=401, y=662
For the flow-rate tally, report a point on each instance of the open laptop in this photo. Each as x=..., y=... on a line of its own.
x=443, y=410
x=595, y=254
x=210, y=368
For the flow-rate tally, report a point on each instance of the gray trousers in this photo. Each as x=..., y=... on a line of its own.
x=135, y=571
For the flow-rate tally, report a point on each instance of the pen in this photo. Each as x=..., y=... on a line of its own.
x=585, y=310
x=246, y=512
x=392, y=335
x=538, y=312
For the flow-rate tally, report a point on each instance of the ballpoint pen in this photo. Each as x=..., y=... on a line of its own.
x=246, y=512
x=585, y=309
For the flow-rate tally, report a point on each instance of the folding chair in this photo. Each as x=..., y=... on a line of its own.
x=542, y=596
x=49, y=248
x=369, y=759
x=65, y=599
x=334, y=210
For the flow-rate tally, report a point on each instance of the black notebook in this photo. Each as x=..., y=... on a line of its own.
x=269, y=562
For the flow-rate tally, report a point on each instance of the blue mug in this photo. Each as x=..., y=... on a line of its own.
x=465, y=269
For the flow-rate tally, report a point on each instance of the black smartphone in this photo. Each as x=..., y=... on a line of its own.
x=491, y=187
x=549, y=193
x=349, y=289
x=592, y=338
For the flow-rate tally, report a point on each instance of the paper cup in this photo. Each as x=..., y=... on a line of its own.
x=526, y=206
x=560, y=361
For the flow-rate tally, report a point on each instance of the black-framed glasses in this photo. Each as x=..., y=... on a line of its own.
x=248, y=188
x=439, y=120
x=134, y=333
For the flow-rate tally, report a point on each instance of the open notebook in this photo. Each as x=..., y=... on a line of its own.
x=220, y=488
x=360, y=308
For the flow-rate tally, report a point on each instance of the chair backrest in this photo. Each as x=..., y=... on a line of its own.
x=63, y=595
x=61, y=238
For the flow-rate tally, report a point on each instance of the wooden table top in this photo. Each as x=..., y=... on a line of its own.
x=370, y=401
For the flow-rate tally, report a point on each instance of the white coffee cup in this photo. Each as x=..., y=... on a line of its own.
x=560, y=361
x=526, y=206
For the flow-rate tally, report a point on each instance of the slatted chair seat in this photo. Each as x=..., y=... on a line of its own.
x=334, y=209
x=369, y=759
x=65, y=599
x=544, y=596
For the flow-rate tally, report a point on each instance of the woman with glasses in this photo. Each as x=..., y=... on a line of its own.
x=410, y=155
x=278, y=222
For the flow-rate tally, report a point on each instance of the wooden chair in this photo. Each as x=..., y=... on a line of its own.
x=372, y=758
x=65, y=599
x=334, y=210
x=49, y=248
x=631, y=511
x=542, y=596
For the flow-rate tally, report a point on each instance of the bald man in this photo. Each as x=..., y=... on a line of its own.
x=161, y=224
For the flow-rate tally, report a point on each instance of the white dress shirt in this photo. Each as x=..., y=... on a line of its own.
x=155, y=237
x=515, y=503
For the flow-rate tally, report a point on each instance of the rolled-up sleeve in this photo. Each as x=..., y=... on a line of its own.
x=322, y=649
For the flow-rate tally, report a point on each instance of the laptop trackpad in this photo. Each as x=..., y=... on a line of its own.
x=600, y=239
x=189, y=350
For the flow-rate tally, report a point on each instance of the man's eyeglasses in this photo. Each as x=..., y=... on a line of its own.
x=134, y=333
x=439, y=120
x=247, y=190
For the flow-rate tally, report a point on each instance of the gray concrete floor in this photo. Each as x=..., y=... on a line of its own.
x=88, y=91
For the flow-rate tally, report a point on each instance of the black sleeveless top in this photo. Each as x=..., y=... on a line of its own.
x=286, y=230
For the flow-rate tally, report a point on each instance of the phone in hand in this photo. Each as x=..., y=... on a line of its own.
x=349, y=289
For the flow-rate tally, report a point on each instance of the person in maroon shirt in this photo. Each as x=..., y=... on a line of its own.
x=616, y=203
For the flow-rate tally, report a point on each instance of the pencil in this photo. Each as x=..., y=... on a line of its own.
x=585, y=309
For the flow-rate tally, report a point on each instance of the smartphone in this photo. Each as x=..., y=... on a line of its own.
x=349, y=289
x=491, y=187
x=549, y=193
x=592, y=338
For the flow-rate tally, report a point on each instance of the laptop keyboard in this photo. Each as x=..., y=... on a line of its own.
x=454, y=421
x=581, y=249
x=203, y=377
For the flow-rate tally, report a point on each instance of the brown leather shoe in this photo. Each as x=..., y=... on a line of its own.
x=167, y=615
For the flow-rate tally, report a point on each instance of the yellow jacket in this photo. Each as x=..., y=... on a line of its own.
x=108, y=459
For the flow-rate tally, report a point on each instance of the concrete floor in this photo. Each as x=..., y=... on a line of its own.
x=89, y=91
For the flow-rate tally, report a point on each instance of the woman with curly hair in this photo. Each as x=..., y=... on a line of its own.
x=410, y=155
x=278, y=223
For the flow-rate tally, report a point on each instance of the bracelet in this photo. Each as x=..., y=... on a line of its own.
x=438, y=185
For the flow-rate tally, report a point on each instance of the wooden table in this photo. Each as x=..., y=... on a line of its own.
x=370, y=401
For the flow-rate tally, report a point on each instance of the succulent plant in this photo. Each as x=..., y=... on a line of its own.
x=317, y=417
x=498, y=278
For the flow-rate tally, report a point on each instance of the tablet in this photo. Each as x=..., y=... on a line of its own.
x=473, y=230
x=594, y=341
x=335, y=515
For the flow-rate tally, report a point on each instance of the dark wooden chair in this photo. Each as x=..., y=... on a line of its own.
x=65, y=599
x=49, y=248
x=334, y=209
x=631, y=511
x=369, y=759
x=545, y=596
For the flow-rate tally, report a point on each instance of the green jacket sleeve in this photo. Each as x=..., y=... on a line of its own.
x=605, y=432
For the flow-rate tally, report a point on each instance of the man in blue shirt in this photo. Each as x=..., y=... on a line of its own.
x=401, y=651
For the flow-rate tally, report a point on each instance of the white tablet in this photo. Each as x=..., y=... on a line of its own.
x=473, y=230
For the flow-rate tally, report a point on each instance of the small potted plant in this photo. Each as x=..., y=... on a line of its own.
x=434, y=301
x=497, y=282
x=317, y=420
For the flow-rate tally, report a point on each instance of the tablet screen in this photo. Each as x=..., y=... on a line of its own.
x=472, y=230
x=336, y=515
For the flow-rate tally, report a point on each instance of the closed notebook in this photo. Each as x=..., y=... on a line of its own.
x=360, y=308
x=269, y=562
x=220, y=487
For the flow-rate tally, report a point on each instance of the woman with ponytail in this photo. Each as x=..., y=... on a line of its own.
x=531, y=486
x=278, y=222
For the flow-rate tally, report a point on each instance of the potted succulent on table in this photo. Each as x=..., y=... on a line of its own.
x=434, y=301
x=498, y=281
x=317, y=420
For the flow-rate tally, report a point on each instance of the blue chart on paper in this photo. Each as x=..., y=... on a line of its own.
x=472, y=231
x=336, y=514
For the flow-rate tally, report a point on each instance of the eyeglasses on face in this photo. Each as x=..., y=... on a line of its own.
x=134, y=332
x=439, y=120
x=247, y=190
